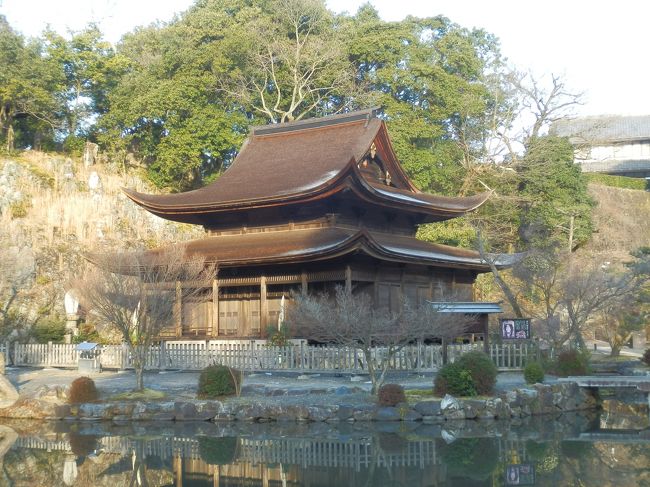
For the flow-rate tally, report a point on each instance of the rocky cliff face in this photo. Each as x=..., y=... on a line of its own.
x=53, y=208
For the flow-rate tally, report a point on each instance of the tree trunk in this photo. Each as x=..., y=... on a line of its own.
x=139, y=375
x=10, y=137
x=371, y=370
x=616, y=350
x=507, y=292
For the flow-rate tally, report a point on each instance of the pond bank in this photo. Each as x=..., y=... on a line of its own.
x=341, y=404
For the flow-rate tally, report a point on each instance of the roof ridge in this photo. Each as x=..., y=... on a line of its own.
x=315, y=122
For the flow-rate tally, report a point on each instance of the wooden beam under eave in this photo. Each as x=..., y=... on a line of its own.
x=214, y=329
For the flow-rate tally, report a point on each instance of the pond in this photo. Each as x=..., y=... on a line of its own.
x=571, y=449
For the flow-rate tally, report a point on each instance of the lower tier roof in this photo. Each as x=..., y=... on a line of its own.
x=318, y=244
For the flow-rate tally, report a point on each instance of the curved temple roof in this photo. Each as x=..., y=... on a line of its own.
x=303, y=161
x=309, y=245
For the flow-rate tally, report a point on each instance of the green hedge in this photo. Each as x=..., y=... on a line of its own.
x=216, y=381
x=616, y=181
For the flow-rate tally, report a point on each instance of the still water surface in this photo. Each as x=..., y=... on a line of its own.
x=565, y=451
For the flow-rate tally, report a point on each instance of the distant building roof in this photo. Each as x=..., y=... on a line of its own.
x=604, y=128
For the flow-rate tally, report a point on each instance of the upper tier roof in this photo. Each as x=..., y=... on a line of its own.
x=305, y=161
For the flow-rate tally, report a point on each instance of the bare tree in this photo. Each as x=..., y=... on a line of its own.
x=525, y=106
x=566, y=295
x=492, y=262
x=136, y=292
x=296, y=66
x=352, y=320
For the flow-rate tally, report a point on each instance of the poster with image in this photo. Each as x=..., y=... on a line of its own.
x=520, y=474
x=515, y=328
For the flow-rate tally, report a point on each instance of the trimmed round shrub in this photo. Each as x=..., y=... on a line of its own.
x=393, y=443
x=534, y=373
x=391, y=395
x=482, y=370
x=455, y=380
x=216, y=381
x=571, y=362
x=646, y=357
x=218, y=451
x=83, y=390
x=469, y=458
x=82, y=445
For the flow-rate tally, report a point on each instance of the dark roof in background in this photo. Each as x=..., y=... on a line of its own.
x=604, y=128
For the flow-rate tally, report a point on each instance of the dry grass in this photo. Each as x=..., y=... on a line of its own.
x=621, y=221
x=144, y=395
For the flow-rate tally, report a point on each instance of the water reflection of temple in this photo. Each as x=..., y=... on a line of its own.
x=310, y=462
x=267, y=455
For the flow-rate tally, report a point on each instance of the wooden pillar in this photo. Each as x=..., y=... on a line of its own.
x=216, y=475
x=348, y=279
x=486, y=345
x=178, y=309
x=303, y=282
x=264, y=308
x=214, y=330
x=178, y=469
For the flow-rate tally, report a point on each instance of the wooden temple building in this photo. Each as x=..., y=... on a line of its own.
x=306, y=206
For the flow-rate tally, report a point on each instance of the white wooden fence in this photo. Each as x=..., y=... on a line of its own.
x=259, y=355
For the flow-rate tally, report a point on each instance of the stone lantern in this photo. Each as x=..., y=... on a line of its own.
x=71, y=304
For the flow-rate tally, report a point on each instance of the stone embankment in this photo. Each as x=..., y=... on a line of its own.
x=536, y=400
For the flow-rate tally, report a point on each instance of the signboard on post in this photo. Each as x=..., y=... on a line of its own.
x=522, y=474
x=515, y=328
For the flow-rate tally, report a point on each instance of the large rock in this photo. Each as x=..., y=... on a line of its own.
x=428, y=408
x=474, y=408
x=55, y=394
x=452, y=408
x=320, y=413
x=387, y=413
x=8, y=393
x=28, y=408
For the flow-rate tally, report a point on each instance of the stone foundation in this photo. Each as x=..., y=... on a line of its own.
x=518, y=403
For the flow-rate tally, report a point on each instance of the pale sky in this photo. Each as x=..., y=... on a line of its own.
x=599, y=47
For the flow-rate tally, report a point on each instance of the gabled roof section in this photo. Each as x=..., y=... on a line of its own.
x=302, y=161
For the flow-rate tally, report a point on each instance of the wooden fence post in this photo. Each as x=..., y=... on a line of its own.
x=161, y=356
x=125, y=355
